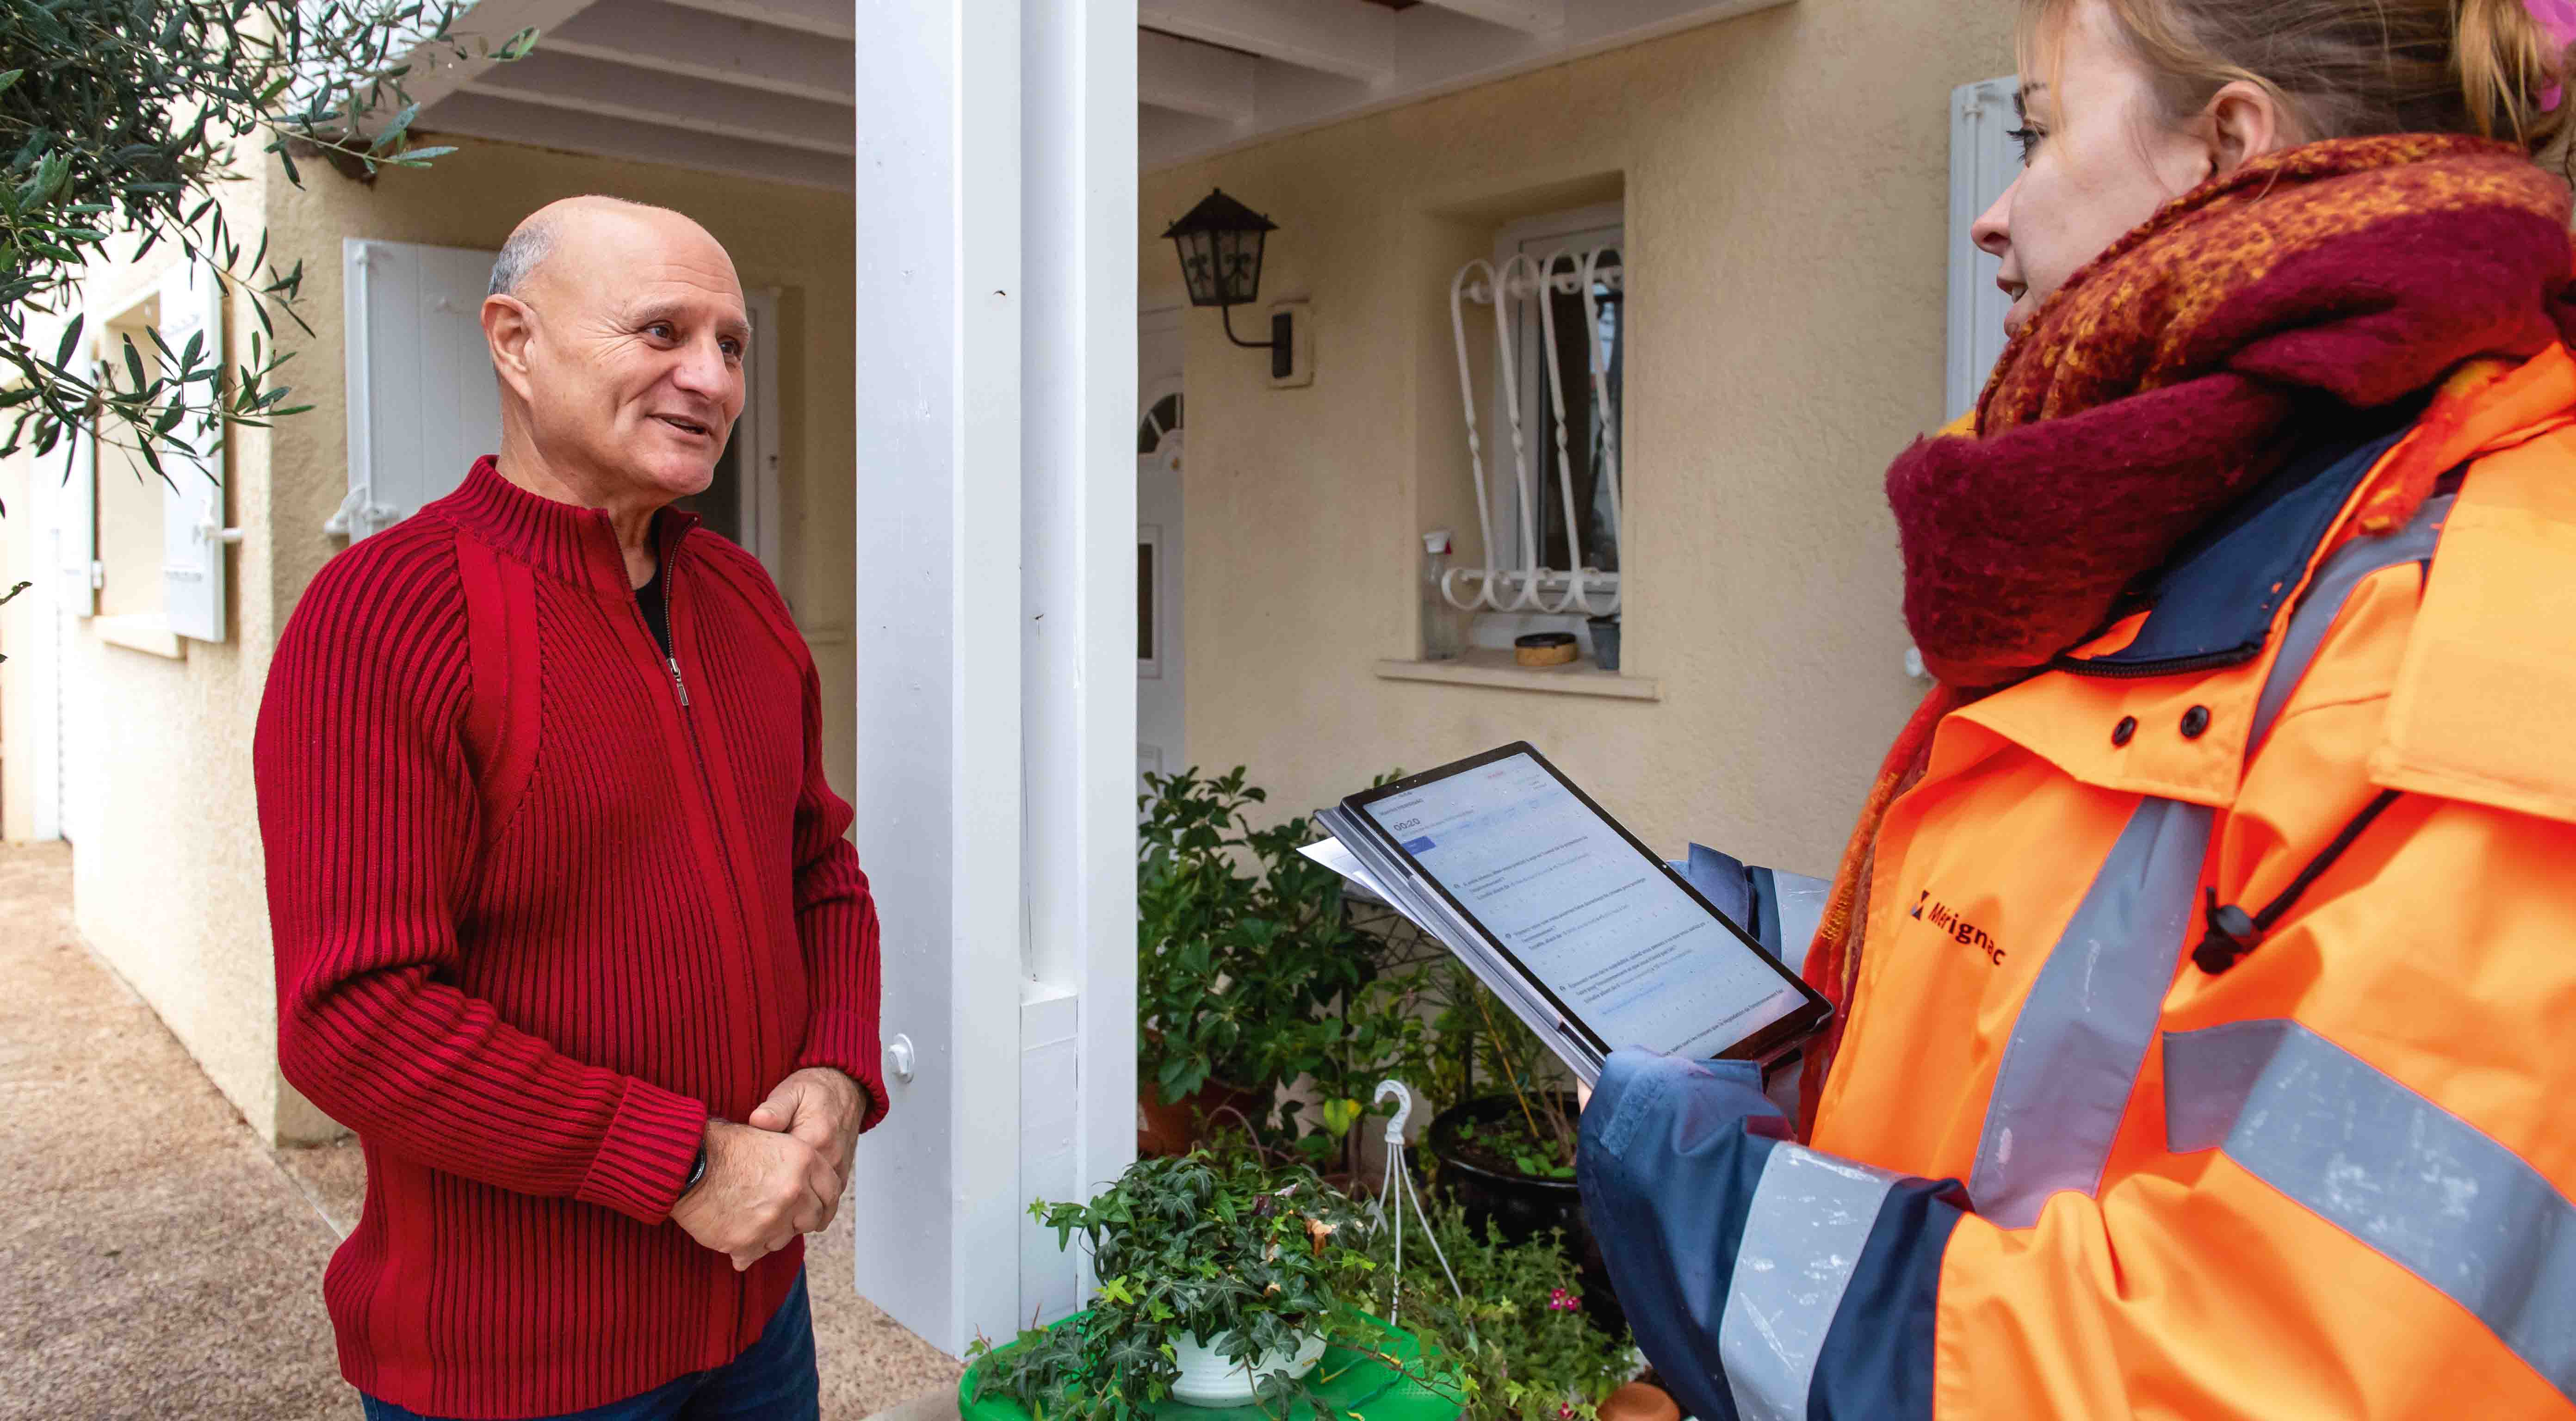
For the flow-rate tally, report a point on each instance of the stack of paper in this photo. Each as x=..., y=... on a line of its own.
x=1350, y=853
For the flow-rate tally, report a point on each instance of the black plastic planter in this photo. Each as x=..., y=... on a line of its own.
x=1520, y=1205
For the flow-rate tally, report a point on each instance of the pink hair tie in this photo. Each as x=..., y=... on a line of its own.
x=2558, y=19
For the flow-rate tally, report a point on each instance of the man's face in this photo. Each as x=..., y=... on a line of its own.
x=635, y=368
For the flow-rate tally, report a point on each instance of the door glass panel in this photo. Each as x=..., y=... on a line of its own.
x=1144, y=601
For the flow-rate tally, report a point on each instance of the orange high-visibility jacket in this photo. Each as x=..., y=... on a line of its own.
x=2211, y=1053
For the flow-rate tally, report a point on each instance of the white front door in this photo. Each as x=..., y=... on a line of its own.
x=1159, y=719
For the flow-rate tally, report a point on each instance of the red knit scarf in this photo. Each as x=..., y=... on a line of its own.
x=2169, y=377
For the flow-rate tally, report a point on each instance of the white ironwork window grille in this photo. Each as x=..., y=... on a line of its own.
x=1550, y=512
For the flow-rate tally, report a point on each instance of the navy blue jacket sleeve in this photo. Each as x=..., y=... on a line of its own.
x=1775, y=908
x=1763, y=1280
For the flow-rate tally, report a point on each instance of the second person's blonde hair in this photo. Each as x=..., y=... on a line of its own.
x=2345, y=68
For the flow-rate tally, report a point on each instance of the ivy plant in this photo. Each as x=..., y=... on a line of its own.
x=1246, y=1258
x=1520, y=1344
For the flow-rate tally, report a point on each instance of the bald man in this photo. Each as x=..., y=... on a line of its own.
x=559, y=891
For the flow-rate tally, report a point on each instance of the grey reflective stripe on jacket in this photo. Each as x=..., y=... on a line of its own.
x=1810, y=1219
x=1801, y=902
x=2333, y=586
x=2073, y=1058
x=2417, y=1184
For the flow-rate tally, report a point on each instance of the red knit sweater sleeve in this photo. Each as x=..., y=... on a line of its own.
x=836, y=925
x=368, y=814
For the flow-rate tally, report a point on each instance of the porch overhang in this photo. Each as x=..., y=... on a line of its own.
x=756, y=88
x=1214, y=75
x=763, y=88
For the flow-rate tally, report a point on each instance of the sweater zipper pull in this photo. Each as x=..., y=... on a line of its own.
x=676, y=683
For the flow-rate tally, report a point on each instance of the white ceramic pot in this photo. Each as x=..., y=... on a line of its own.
x=1208, y=1379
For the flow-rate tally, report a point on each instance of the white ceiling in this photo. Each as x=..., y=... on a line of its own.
x=1216, y=74
x=763, y=87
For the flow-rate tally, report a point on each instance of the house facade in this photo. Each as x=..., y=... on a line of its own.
x=992, y=454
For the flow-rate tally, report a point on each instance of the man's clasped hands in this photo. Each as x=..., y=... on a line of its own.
x=780, y=1173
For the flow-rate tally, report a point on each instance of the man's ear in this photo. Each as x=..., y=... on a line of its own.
x=2243, y=122
x=510, y=327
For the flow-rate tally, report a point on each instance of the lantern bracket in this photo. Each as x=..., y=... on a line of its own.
x=1282, y=344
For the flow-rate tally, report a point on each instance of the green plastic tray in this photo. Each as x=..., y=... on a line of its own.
x=1351, y=1381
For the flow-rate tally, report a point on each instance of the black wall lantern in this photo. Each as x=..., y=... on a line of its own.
x=1220, y=243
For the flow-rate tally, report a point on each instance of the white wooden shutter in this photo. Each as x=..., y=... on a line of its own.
x=1982, y=164
x=74, y=474
x=193, y=533
x=422, y=402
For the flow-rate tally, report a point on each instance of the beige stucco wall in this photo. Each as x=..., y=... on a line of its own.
x=167, y=863
x=19, y=629
x=1785, y=179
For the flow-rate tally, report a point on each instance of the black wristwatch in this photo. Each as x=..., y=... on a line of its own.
x=697, y=1171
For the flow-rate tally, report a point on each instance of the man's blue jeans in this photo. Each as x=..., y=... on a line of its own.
x=773, y=1380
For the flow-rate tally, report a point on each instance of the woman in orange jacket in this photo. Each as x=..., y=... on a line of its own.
x=2205, y=944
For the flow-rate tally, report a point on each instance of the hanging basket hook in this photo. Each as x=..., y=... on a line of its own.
x=1403, y=1108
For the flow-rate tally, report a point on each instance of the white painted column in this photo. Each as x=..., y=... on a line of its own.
x=1078, y=598
x=995, y=219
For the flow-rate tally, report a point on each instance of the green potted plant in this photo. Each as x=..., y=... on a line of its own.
x=1378, y=1029
x=1220, y=1282
x=1242, y=944
x=1519, y=1340
x=1505, y=1145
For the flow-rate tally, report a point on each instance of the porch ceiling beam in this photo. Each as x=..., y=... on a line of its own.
x=494, y=21
x=650, y=35
x=834, y=19
x=1166, y=136
x=597, y=86
x=1349, y=38
x=1191, y=78
x=1435, y=47
x=510, y=121
x=1533, y=17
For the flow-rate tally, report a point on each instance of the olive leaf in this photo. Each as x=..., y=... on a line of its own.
x=129, y=118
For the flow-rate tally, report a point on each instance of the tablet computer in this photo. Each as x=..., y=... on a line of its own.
x=1582, y=915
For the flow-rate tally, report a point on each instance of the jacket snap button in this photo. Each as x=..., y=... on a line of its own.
x=2194, y=721
x=2127, y=727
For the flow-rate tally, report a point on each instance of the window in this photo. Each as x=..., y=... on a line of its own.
x=1162, y=419
x=129, y=493
x=1149, y=655
x=1158, y=441
x=1549, y=326
x=161, y=564
x=1581, y=330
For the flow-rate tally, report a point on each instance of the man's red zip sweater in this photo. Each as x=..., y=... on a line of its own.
x=530, y=936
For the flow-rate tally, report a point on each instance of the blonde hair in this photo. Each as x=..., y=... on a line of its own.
x=2345, y=68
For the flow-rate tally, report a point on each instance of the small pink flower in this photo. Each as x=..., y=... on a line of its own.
x=1564, y=1413
x=1563, y=1301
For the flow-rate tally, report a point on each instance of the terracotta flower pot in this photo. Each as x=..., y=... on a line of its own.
x=1178, y=1127
x=1640, y=1401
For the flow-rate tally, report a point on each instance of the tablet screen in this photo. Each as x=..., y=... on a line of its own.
x=1623, y=947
